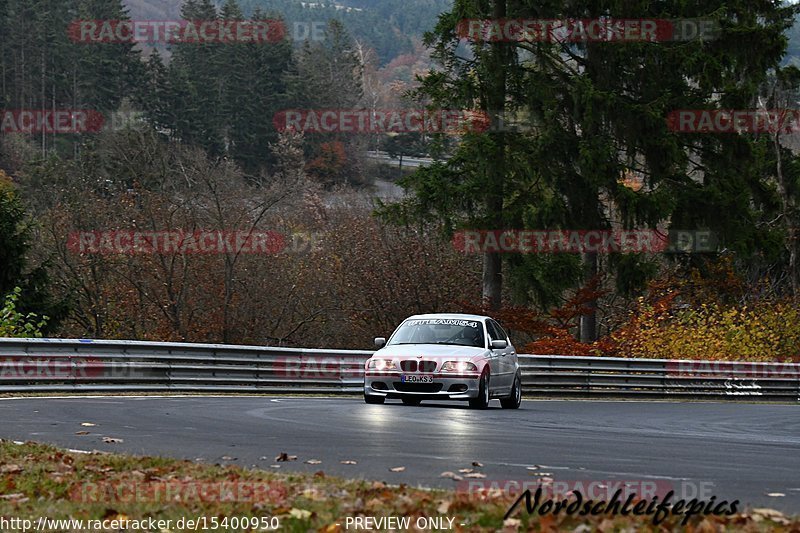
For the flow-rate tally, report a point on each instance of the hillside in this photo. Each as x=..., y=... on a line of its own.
x=389, y=26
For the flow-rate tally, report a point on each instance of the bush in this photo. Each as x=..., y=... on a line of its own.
x=765, y=332
x=15, y=324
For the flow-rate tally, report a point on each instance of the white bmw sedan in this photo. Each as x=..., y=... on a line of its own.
x=445, y=357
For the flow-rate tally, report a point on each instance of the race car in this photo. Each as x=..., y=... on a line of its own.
x=445, y=357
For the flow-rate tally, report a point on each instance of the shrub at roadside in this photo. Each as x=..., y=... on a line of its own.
x=763, y=332
x=15, y=324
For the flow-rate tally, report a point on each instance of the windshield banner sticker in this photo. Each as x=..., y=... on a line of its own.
x=442, y=322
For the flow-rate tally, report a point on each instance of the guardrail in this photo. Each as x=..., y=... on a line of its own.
x=69, y=365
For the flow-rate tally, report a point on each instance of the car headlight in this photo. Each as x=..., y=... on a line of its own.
x=459, y=366
x=381, y=364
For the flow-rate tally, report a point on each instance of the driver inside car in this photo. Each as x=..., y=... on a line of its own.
x=471, y=337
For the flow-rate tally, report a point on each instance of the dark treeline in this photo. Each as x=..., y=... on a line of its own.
x=389, y=26
x=219, y=97
x=41, y=68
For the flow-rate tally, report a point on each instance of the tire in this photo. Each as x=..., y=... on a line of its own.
x=374, y=399
x=411, y=401
x=482, y=401
x=513, y=401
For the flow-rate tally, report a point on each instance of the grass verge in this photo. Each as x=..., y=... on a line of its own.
x=43, y=481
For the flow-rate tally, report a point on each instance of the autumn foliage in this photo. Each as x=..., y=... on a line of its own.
x=691, y=317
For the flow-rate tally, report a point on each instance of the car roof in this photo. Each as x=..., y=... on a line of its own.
x=457, y=316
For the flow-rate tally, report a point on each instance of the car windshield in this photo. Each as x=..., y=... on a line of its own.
x=440, y=331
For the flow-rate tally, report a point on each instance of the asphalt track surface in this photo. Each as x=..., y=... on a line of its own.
x=732, y=451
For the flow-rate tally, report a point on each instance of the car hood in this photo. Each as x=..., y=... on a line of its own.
x=431, y=350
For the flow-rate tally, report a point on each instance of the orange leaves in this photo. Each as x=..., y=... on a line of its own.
x=553, y=329
x=330, y=162
x=581, y=303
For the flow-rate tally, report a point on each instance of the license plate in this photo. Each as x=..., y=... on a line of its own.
x=416, y=379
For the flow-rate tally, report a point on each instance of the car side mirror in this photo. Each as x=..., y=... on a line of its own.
x=380, y=342
x=499, y=345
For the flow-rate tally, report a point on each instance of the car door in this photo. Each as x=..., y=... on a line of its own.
x=511, y=361
x=503, y=377
x=494, y=360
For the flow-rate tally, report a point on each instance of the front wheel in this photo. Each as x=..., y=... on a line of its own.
x=515, y=398
x=482, y=401
x=374, y=399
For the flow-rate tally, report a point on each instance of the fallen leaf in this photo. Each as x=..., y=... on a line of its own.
x=283, y=457
x=475, y=475
x=451, y=475
x=606, y=525
x=348, y=462
x=274, y=466
x=300, y=514
x=228, y=458
x=15, y=496
x=81, y=433
x=465, y=470
x=374, y=502
x=88, y=424
x=397, y=469
x=477, y=464
x=776, y=494
x=444, y=506
x=314, y=495
x=772, y=514
x=112, y=440
x=313, y=462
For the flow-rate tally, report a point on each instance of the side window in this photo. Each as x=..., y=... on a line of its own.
x=492, y=329
x=500, y=331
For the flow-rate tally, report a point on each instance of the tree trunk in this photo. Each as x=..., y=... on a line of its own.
x=588, y=322
x=495, y=107
x=492, y=280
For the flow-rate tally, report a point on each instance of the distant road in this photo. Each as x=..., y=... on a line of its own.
x=408, y=162
x=743, y=451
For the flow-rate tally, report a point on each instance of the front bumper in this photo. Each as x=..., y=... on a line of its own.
x=444, y=386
